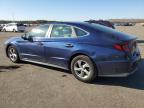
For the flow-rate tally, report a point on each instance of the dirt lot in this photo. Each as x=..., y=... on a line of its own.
x=32, y=86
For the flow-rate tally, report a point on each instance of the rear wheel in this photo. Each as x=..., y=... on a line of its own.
x=4, y=30
x=13, y=54
x=83, y=68
x=14, y=30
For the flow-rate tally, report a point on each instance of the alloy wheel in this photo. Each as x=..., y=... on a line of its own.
x=12, y=54
x=82, y=69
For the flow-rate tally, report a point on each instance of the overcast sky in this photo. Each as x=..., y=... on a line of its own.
x=70, y=10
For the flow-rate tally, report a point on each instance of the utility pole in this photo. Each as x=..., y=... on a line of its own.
x=13, y=17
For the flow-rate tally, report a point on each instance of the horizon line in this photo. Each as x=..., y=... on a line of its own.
x=73, y=20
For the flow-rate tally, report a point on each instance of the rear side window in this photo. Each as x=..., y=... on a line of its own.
x=12, y=25
x=80, y=32
x=61, y=31
x=8, y=25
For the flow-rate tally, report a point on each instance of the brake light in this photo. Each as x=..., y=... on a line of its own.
x=126, y=47
x=118, y=47
x=122, y=47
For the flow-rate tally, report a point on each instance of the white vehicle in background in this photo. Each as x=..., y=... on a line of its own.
x=14, y=27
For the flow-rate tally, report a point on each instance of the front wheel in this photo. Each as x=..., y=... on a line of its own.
x=83, y=68
x=13, y=54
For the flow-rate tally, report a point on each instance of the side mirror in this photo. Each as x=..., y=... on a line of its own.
x=29, y=38
x=24, y=37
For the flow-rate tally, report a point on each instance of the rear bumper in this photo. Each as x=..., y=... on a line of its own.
x=121, y=68
x=21, y=30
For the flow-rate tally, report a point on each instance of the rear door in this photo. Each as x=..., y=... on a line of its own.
x=12, y=27
x=8, y=27
x=60, y=45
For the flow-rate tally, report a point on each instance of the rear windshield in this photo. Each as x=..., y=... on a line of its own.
x=109, y=32
x=102, y=28
x=20, y=24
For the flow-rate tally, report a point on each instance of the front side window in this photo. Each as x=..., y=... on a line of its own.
x=80, y=32
x=61, y=31
x=39, y=31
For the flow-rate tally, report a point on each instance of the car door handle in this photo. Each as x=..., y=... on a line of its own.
x=69, y=45
x=39, y=44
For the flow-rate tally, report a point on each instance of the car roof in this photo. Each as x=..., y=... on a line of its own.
x=69, y=23
x=12, y=23
x=82, y=25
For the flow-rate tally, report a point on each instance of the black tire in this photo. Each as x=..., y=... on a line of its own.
x=4, y=30
x=14, y=30
x=13, y=57
x=79, y=73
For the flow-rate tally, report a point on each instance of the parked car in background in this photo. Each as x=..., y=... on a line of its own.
x=102, y=22
x=128, y=24
x=1, y=27
x=124, y=24
x=14, y=27
x=86, y=49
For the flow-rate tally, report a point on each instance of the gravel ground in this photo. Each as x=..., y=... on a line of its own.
x=34, y=86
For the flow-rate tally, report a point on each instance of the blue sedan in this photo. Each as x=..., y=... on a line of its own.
x=87, y=50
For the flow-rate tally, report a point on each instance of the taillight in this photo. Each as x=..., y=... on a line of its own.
x=126, y=47
x=122, y=47
x=118, y=47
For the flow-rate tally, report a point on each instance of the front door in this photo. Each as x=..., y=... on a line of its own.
x=34, y=49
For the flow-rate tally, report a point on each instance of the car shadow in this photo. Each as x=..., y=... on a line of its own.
x=9, y=68
x=135, y=81
x=140, y=41
x=48, y=67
